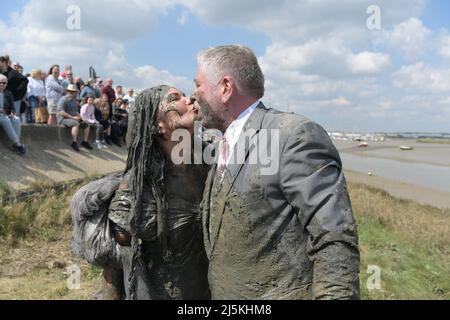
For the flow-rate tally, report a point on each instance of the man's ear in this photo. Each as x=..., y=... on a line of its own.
x=227, y=87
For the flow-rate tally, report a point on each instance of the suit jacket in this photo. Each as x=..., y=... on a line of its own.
x=286, y=234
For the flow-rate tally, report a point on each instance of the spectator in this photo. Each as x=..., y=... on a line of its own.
x=69, y=116
x=36, y=95
x=16, y=66
x=119, y=92
x=99, y=117
x=99, y=85
x=88, y=116
x=80, y=84
x=130, y=98
x=68, y=79
x=8, y=119
x=120, y=118
x=54, y=92
x=89, y=90
x=117, y=104
x=17, y=83
x=109, y=91
x=105, y=116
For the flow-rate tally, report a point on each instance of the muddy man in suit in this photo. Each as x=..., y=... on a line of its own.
x=277, y=219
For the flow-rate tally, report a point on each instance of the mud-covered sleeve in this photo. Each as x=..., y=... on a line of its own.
x=120, y=211
x=119, y=208
x=313, y=183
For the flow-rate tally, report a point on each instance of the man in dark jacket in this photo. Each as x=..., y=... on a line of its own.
x=8, y=120
x=17, y=83
x=278, y=223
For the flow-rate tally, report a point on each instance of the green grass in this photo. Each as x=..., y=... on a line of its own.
x=408, y=241
x=408, y=270
x=40, y=217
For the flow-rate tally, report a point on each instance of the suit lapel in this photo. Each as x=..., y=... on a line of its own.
x=207, y=207
x=251, y=128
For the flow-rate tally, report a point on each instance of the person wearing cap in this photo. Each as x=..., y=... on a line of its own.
x=69, y=116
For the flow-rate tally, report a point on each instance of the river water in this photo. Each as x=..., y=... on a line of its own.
x=420, y=174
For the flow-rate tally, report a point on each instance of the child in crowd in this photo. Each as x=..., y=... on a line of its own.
x=88, y=116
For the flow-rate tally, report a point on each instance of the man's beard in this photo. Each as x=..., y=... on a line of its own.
x=209, y=119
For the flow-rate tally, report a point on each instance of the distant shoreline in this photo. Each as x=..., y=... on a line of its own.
x=434, y=154
x=425, y=196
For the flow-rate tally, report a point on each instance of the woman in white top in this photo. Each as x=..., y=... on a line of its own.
x=54, y=92
x=36, y=95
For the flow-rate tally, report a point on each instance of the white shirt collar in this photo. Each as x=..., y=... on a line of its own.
x=234, y=130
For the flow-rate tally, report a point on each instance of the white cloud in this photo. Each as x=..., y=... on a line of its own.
x=422, y=78
x=299, y=20
x=444, y=48
x=368, y=62
x=410, y=37
x=323, y=57
x=38, y=37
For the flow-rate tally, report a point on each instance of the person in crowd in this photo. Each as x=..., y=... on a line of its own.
x=36, y=95
x=99, y=117
x=99, y=85
x=16, y=66
x=9, y=121
x=120, y=118
x=17, y=83
x=68, y=79
x=117, y=104
x=69, y=116
x=119, y=92
x=89, y=90
x=88, y=116
x=106, y=116
x=79, y=83
x=109, y=91
x=130, y=98
x=54, y=91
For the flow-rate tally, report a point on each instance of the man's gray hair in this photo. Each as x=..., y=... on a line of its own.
x=236, y=61
x=3, y=77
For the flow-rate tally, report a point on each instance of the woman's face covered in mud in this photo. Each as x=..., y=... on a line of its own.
x=176, y=111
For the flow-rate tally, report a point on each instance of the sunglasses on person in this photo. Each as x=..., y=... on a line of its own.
x=4, y=83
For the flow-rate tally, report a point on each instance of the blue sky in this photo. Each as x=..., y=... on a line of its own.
x=319, y=57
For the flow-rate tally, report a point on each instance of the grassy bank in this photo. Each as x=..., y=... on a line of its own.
x=408, y=241
x=430, y=140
